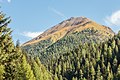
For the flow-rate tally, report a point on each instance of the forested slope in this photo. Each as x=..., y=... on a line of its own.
x=89, y=61
x=66, y=36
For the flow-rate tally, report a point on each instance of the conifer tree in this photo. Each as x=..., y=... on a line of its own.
x=116, y=49
x=113, y=44
x=37, y=71
x=98, y=73
x=81, y=74
x=78, y=65
x=105, y=47
x=92, y=72
x=98, y=56
x=8, y=53
x=108, y=75
x=74, y=78
x=55, y=77
x=118, y=72
x=2, y=72
x=115, y=64
x=59, y=69
x=14, y=64
x=60, y=77
x=26, y=73
x=109, y=53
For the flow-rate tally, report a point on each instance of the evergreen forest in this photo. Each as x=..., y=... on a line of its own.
x=80, y=56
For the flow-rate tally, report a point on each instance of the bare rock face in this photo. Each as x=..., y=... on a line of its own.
x=69, y=26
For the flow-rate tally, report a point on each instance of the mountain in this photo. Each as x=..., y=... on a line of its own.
x=67, y=36
x=74, y=24
x=79, y=55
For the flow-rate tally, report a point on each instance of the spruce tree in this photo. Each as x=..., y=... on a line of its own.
x=37, y=71
x=26, y=71
x=113, y=44
x=8, y=53
x=55, y=77
x=118, y=72
x=92, y=72
x=98, y=73
x=2, y=72
x=115, y=64
x=81, y=74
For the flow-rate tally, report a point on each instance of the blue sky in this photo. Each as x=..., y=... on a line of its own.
x=32, y=17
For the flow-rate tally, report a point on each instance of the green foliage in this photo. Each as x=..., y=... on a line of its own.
x=46, y=48
x=8, y=53
x=2, y=72
x=78, y=56
x=118, y=72
x=14, y=63
x=26, y=71
x=88, y=61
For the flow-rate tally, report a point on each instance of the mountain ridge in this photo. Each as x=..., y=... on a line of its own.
x=70, y=25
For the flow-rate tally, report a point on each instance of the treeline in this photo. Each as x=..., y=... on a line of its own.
x=14, y=63
x=46, y=48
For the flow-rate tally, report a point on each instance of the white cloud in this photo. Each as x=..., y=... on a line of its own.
x=57, y=12
x=114, y=19
x=31, y=34
x=9, y=1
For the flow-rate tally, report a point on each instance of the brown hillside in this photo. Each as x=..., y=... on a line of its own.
x=69, y=26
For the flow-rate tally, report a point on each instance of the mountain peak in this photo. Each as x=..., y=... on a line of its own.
x=71, y=25
x=74, y=21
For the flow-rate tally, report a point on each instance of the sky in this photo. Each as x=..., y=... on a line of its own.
x=32, y=17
